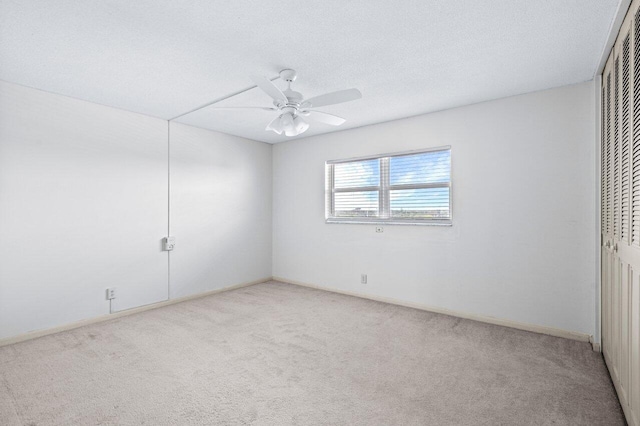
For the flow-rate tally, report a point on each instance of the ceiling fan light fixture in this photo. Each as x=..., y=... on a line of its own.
x=286, y=120
x=276, y=125
x=292, y=107
x=300, y=125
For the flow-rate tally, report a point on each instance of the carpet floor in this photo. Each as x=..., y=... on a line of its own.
x=279, y=354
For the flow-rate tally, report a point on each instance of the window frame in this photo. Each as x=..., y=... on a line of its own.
x=384, y=189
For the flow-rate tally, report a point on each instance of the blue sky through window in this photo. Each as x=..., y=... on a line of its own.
x=428, y=200
x=415, y=169
x=430, y=167
x=411, y=169
x=357, y=173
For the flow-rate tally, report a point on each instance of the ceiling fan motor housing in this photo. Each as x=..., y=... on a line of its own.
x=288, y=75
x=293, y=98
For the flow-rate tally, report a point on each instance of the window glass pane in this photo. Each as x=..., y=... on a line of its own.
x=428, y=167
x=356, y=204
x=357, y=174
x=428, y=203
x=414, y=187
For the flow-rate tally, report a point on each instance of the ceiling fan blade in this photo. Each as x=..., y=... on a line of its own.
x=249, y=107
x=332, y=98
x=269, y=88
x=326, y=118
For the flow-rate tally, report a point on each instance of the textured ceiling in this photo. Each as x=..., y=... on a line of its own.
x=163, y=58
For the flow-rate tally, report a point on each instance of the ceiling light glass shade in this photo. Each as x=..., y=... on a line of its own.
x=289, y=124
x=300, y=125
x=276, y=125
x=286, y=121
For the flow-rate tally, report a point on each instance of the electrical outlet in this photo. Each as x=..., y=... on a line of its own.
x=363, y=278
x=111, y=293
x=379, y=229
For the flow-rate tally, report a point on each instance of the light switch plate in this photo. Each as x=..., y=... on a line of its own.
x=168, y=243
x=111, y=293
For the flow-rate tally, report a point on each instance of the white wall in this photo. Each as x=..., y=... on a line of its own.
x=220, y=210
x=522, y=242
x=84, y=206
x=83, y=196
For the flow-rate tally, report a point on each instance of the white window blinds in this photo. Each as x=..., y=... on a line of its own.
x=411, y=188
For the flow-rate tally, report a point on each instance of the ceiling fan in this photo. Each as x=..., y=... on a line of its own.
x=292, y=107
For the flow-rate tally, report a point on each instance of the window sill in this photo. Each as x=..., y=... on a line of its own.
x=389, y=222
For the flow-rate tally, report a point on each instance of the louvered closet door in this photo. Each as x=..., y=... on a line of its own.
x=607, y=267
x=634, y=283
x=620, y=183
x=611, y=266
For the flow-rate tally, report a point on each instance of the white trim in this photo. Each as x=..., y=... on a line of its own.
x=391, y=154
x=550, y=331
x=597, y=82
x=77, y=324
x=377, y=221
x=595, y=345
x=614, y=29
x=628, y=414
x=481, y=318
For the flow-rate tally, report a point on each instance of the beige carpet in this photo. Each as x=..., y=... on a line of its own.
x=278, y=354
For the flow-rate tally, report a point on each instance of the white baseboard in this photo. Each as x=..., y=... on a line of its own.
x=481, y=318
x=551, y=331
x=40, y=333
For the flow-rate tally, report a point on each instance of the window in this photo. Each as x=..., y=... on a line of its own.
x=406, y=188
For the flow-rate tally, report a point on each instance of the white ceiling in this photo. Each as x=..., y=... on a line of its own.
x=166, y=57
